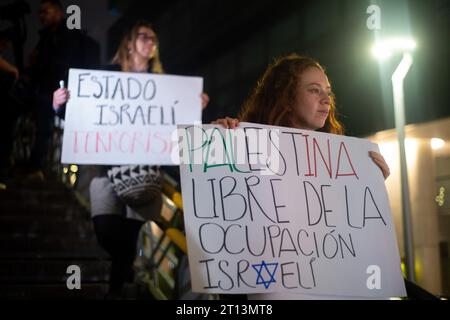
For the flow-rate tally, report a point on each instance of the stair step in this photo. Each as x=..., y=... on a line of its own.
x=88, y=291
x=43, y=230
x=24, y=184
x=29, y=225
x=52, y=291
x=45, y=243
x=42, y=195
x=83, y=253
x=75, y=237
x=40, y=208
x=51, y=271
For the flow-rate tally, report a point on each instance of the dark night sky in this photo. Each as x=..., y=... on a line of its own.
x=230, y=43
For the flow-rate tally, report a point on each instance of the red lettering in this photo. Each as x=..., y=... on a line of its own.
x=158, y=136
x=136, y=138
x=353, y=173
x=149, y=144
x=86, y=142
x=328, y=166
x=99, y=141
x=121, y=142
x=309, y=174
x=75, y=143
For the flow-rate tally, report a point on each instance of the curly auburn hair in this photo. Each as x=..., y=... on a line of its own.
x=276, y=92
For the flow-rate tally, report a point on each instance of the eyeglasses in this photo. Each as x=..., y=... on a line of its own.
x=144, y=37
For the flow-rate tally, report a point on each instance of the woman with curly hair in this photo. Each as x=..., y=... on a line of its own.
x=294, y=92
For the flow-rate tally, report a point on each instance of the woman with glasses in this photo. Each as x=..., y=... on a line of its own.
x=117, y=225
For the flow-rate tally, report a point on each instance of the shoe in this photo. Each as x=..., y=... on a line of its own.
x=37, y=175
x=3, y=178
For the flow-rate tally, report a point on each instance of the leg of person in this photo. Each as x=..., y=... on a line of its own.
x=43, y=114
x=7, y=124
x=118, y=236
x=132, y=228
x=10, y=114
x=109, y=228
x=136, y=217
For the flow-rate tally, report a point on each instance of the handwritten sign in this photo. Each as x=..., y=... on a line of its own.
x=127, y=118
x=274, y=209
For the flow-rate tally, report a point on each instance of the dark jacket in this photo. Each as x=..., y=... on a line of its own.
x=56, y=52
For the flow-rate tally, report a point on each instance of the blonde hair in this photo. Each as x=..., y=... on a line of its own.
x=122, y=55
x=276, y=92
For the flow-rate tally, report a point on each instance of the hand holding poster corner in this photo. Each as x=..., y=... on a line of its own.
x=127, y=118
x=274, y=209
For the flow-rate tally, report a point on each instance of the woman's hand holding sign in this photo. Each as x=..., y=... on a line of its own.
x=381, y=163
x=60, y=97
x=205, y=100
x=228, y=123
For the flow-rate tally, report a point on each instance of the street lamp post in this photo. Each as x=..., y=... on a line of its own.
x=383, y=50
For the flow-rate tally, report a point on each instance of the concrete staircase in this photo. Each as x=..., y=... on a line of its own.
x=43, y=230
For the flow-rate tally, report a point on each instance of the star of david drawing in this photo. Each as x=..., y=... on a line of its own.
x=268, y=274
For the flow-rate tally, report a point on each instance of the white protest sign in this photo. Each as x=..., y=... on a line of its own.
x=127, y=118
x=275, y=209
